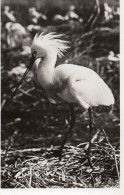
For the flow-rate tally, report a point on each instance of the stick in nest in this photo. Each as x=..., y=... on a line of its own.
x=116, y=163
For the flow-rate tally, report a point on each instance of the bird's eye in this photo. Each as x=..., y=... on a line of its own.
x=34, y=53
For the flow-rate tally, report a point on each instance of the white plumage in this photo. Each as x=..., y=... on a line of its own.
x=72, y=83
x=15, y=34
x=9, y=14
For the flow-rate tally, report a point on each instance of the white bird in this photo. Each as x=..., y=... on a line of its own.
x=35, y=15
x=71, y=14
x=15, y=34
x=108, y=12
x=113, y=57
x=18, y=71
x=9, y=14
x=69, y=82
x=26, y=51
x=57, y=19
x=32, y=27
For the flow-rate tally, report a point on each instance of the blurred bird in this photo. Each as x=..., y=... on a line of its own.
x=15, y=33
x=113, y=57
x=35, y=15
x=71, y=13
x=26, y=50
x=17, y=71
x=69, y=82
x=9, y=14
x=58, y=19
x=108, y=12
x=33, y=29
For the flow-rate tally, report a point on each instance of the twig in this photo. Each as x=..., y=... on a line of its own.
x=24, y=151
x=32, y=158
x=21, y=172
x=108, y=140
x=116, y=166
x=94, y=31
x=92, y=180
x=26, y=93
x=19, y=95
x=30, y=179
x=91, y=16
x=11, y=141
x=3, y=103
x=82, y=144
x=97, y=14
x=93, y=139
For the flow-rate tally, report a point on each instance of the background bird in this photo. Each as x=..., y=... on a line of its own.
x=15, y=33
x=9, y=14
x=69, y=82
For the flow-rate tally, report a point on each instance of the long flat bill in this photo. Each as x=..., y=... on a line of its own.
x=32, y=60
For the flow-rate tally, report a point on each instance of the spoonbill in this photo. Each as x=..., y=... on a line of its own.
x=108, y=12
x=9, y=14
x=35, y=15
x=72, y=15
x=69, y=82
x=15, y=34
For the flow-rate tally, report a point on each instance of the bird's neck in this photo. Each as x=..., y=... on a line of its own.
x=46, y=70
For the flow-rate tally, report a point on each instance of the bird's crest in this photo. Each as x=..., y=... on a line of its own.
x=51, y=40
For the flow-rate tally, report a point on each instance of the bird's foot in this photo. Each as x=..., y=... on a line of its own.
x=90, y=162
x=86, y=160
x=57, y=153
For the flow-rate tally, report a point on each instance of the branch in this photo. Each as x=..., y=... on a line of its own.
x=97, y=14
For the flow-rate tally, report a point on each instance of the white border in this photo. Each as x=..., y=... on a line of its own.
x=93, y=191
x=122, y=93
x=73, y=191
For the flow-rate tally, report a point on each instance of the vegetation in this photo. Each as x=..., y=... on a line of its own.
x=32, y=128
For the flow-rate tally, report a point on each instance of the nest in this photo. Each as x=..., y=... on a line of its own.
x=39, y=168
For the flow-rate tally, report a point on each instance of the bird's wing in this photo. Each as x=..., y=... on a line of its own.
x=91, y=92
x=82, y=85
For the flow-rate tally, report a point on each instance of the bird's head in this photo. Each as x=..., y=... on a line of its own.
x=43, y=46
x=48, y=44
x=38, y=51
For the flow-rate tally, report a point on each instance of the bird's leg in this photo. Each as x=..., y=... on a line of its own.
x=90, y=136
x=91, y=130
x=72, y=122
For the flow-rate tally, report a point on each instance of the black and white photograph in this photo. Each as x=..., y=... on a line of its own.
x=60, y=94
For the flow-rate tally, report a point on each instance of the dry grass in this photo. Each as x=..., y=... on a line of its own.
x=39, y=168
